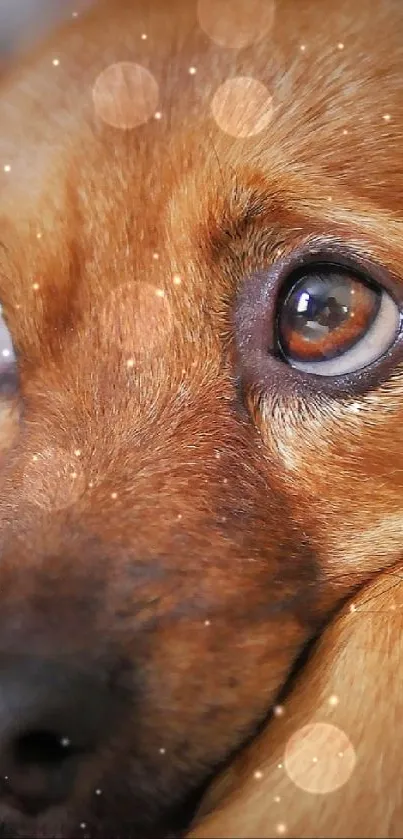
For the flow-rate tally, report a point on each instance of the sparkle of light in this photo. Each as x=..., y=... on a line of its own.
x=278, y=710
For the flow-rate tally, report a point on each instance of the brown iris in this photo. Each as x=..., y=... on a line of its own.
x=325, y=313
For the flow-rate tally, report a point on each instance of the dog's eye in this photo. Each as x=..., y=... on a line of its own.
x=331, y=322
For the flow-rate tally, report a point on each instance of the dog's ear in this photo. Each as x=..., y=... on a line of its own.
x=329, y=761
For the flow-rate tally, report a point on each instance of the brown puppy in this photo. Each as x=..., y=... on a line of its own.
x=201, y=429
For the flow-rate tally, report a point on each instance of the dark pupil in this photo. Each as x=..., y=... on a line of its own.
x=319, y=306
x=325, y=314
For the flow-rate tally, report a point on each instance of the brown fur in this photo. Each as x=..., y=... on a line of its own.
x=201, y=544
x=352, y=681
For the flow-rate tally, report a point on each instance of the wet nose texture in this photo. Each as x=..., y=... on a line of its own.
x=52, y=718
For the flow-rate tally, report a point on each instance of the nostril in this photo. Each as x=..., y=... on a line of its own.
x=53, y=719
x=43, y=748
x=41, y=766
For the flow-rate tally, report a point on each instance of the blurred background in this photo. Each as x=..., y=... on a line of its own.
x=22, y=22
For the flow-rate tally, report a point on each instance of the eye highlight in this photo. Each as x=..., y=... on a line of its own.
x=331, y=321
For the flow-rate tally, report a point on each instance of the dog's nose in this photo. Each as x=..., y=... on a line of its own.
x=40, y=771
x=52, y=719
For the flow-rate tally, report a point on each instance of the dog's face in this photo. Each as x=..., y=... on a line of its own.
x=201, y=396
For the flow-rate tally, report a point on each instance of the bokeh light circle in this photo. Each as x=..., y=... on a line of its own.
x=242, y=107
x=319, y=758
x=125, y=95
x=236, y=24
x=142, y=312
x=53, y=478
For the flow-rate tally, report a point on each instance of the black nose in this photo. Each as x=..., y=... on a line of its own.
x=53, y=717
